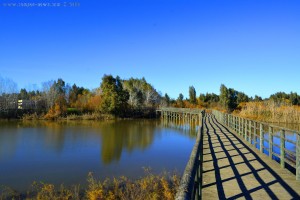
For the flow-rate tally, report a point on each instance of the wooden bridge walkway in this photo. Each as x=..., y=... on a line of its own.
x=233, y=158
x=233, y=170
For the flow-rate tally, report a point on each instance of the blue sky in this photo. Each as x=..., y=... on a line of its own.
x=249, y=45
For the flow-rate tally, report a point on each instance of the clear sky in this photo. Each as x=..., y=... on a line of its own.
x=249, y=45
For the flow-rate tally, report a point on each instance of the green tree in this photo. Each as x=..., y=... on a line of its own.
x=228, y=98
x=180, y=100
x=202, y=97
x=279, y=97
x=294, y=98
x=192, y=94
x=113, y=98
x=166, y=100
x=242, y=97
x=209, y=97
x=232, y=103
x=257, y=98
x=224, y=97
x=123, y=97
x=141, y=93
x=23, y=94
x=59, y=86
x=74, y=92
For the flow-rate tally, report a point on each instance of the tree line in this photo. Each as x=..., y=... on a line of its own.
x=228, y=99
x=120, y=97
x=124, y=98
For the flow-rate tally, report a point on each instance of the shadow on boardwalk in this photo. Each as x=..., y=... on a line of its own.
x=233, y=170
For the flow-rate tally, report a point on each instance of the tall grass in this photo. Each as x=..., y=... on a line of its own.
x=163, y=186
x=270, y=111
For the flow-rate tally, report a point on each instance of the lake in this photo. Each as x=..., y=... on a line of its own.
x=64, y=152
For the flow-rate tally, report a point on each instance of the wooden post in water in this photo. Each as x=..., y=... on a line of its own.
x=298, y=157
x=282, y=147
x=270, y=142
x=261, y=138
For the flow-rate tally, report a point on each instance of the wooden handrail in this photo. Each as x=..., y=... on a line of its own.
x=191, y=181
x=248, y=129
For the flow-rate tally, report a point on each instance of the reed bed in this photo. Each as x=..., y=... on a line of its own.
x=270, y=111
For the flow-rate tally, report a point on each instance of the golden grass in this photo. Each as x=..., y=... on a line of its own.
x=270, y=111
x=150, y=187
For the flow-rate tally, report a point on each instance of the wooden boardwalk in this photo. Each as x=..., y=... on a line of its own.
x=233, y=170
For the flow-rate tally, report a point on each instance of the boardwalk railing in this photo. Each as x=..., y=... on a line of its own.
x=181, y=110
x=266, y=138
x=191, y=181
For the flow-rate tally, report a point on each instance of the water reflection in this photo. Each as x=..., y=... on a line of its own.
x=187, y=127
x=114, y=137
x=65, y=151
x=119, y=137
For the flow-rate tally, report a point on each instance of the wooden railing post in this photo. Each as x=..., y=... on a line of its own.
x=235, y=123
x=261, y=138
x=254, y=134
x=270, y=141
x=240, y=127
x=228, y=120
x=245, y=129
x=298, y=157
x=250, y=132
x=282, y=148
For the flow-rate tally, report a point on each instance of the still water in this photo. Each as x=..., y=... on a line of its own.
x=65, y=152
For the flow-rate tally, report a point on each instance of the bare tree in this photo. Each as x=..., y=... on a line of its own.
x=8, y=94
x=7, y=86
x=49, y=93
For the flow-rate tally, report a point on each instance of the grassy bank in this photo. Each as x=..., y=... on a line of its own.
x=74, y=114
x=150, y=187
x=85, y=116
